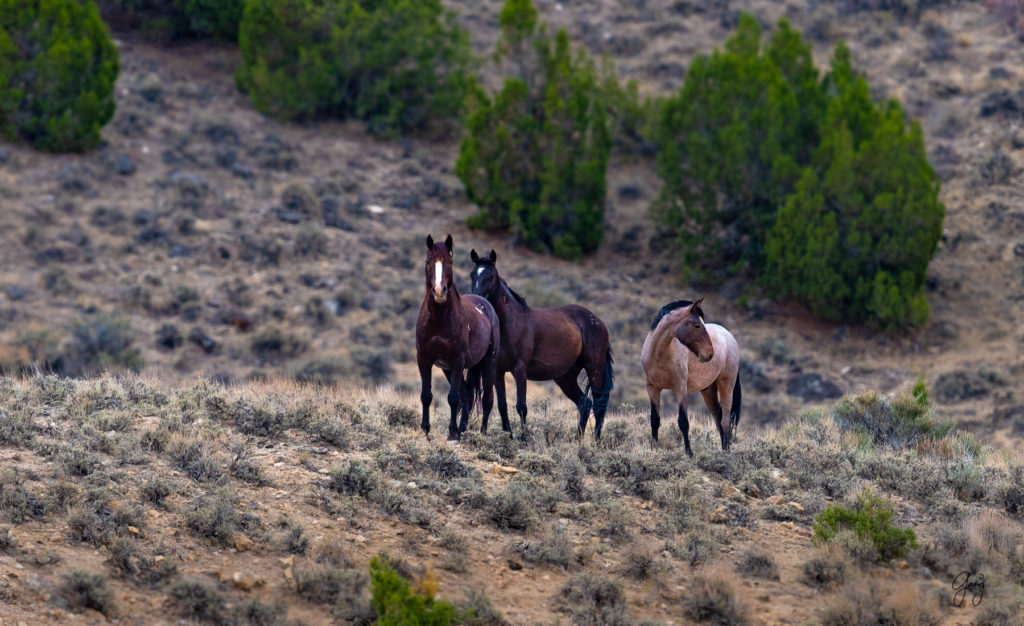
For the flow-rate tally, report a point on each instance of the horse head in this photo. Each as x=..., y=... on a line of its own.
x=692, y=333
x=484, y=277
x=438, y=270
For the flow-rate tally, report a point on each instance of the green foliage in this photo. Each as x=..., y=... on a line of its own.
x=535, y=157
x=920, y=392
x=217, y=19
x=396, y=604
x=855, y=239
x=870, y=521
x=58, y=66
x=824, y=195
x=732, y=141
x=395, y=63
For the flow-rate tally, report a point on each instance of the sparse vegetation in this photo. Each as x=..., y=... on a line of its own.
x=86, y=590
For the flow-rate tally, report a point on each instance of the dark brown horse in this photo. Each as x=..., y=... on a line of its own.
x=456, y=333
x=547, y=344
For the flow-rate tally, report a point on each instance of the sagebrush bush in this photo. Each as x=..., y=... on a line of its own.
x=395, y=63
x=98, y=343
x=870, y=520
x=821, y=194
x=594, y=600
x=58, y=66
x=535, y=156
x=85, y=590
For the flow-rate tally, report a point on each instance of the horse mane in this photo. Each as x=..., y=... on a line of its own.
x=514, y=294
x=668, y=308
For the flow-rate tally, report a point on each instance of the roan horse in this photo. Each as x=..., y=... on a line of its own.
x=684, y=354
x=456, y=333
x=547, y=344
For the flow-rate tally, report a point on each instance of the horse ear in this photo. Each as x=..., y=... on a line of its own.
x=448, y=243
x=695, y=307
x=493, y=255
x=430, y=242
x=474, y=256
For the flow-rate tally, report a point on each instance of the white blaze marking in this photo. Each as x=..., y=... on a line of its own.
x=437, y=275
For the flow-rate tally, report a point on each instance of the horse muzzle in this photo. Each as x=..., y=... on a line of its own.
x=440, y=295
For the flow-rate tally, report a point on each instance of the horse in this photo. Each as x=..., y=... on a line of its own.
x=547, y=344
x=456, y=333
x=684, y=354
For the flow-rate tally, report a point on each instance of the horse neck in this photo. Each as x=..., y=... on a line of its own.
x=505, y=298
x=448, y=311
x=664, y=334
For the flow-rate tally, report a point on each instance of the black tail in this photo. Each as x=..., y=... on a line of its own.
x=601, y=401
x=737, y=402
x=474, y=380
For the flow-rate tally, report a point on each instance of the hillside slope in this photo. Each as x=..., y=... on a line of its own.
x=263, y=503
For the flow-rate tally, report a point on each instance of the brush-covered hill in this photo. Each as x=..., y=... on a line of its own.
x=205, y=238
x=142, y=502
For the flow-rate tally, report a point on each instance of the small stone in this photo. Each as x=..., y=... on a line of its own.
x=775, y=500
x=133, y=530
x=796, y=506
x=410, y=485
x=719, y=516
x=124, y=165
x=903, y=565
x=323, y=470
x=730, y=490
x=360, y=539
x=243, y=543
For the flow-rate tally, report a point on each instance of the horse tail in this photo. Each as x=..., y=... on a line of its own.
x=737, y=401
x=474, y=380
x=601, y=400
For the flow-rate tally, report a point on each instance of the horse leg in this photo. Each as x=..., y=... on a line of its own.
x=595, y=381
x=655, y=395
x=487, y=402
x=723, y=387
x=499, y=391
x=456, y=382
x=519, y=373
x=426, y=397
x=465, y=402
x=684, y=422
x=715, y=407
x=567, y=383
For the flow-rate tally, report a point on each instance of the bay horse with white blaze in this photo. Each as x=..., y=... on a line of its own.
x=683, y=354
x=547, y=344
x=456, y=333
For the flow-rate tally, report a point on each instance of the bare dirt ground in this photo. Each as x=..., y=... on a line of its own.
x=238, y=248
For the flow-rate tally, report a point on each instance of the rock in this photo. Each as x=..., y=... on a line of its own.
x=243, y=543
x=812, y=387
x=719, y=516
x=15, y=292
x=796, y=506
x=775, y=500
x=244, y=582
x=730, y=490
x=514, y=565
x=201, y=339
x=124, y=165
x=151, y=88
